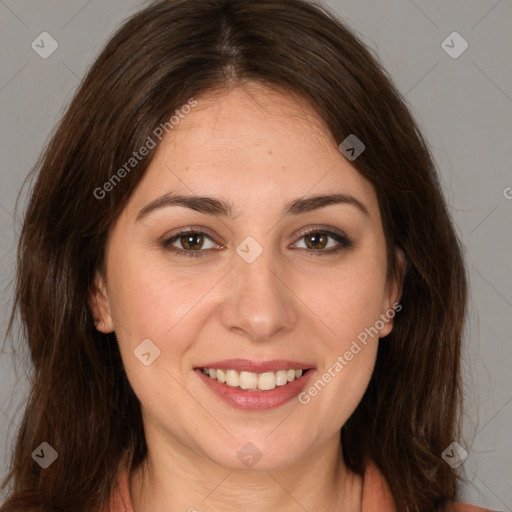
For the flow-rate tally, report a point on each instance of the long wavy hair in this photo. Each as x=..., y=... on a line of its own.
x=80, y=400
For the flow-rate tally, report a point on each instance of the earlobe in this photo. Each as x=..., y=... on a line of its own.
x=394, y=292
x=100, y=307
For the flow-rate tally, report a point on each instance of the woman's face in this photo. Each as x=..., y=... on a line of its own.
x=248, y=291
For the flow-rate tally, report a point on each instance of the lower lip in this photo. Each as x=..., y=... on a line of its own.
x=256, y=400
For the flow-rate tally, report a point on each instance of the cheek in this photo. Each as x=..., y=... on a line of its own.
x=348, y=302
x=348, y=356
x=153, y=302
x=348, y=305
x=150, y=302
x=149, y=298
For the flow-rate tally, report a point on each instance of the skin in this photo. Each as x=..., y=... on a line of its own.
x=258, y=149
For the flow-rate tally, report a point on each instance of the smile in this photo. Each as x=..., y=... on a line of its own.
x=251, y=381
x=250, y=385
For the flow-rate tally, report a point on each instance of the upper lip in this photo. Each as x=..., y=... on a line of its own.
x=256, y=366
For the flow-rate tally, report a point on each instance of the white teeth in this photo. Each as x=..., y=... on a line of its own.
x=267, y=381
x=232, y=378
x=281, y=378
x=252, y=381
x=248, y=380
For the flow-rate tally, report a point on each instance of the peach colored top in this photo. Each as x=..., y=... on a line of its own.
x=376, y=495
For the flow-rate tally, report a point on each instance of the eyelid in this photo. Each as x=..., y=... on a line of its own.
x=323, y=229
x=341, y=239
x=189, y=229
x=168, y=239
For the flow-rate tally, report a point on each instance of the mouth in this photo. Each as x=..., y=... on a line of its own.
x=252, y=381
x=248, y=385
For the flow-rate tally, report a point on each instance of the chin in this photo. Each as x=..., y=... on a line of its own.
x=259, y=452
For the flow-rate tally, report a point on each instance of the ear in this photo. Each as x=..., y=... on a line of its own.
x=393, y=293
x=100, y=306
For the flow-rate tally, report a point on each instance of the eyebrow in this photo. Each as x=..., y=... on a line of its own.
x=214, y=206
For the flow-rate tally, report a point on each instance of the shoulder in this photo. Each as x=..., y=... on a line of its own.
x=465, y=507
x=120, y=500
x=377, y=496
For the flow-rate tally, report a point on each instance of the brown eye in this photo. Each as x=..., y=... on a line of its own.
x=189, y=243
x=317, y=240
x=320, y=242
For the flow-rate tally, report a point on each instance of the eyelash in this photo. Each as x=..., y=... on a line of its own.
x=343, y=241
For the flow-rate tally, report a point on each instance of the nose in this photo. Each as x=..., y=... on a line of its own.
x=260, y=303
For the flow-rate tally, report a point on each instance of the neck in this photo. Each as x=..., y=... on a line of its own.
x=178, y=479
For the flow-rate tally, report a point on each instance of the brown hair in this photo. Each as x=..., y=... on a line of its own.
x=80, y=400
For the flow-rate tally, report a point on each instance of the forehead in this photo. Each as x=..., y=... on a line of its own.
x=252, y=119
x=254, y=145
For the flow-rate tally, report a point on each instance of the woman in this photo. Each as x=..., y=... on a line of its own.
x=238, y=278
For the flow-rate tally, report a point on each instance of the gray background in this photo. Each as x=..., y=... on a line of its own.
x=463, y=105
